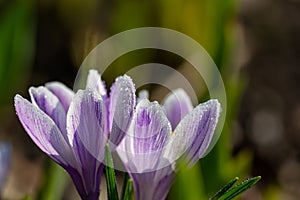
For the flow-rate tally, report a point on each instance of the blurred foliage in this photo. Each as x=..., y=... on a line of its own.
x=189, y=184
x=55, y=179
x=27, y=197
x=17, y=35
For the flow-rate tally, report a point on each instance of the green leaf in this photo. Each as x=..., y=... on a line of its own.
x=224, y=189
x=127, y=188
x=112, y=192
x=125, y=181
x=237, y=190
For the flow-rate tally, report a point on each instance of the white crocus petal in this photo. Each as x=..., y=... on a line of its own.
x=193, y=134
x=86, y=125
x=51, y=105
x=144, y=144
x=122, y=102
x=94, y=82
x=143, y=94
x=142, y=152
x=43, y=131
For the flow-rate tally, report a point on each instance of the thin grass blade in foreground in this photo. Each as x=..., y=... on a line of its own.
x=112, y=191
x=226, y=193
x=224, y=189
x=128, y=190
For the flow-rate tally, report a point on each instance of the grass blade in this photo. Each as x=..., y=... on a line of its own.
x=126, y=178
x=224, y=189
x=128, y=190
x=242, y=187
x=112, y=192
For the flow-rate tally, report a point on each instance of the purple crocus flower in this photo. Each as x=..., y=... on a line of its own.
x=73, y=128
x=150, y=149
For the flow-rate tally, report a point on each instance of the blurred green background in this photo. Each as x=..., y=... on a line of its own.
x=254, y=43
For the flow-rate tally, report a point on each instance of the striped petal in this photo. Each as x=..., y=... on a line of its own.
x=94, y=82
x=87, y=132
x=193, y=134
x=153, y=185
x=43, y=131
x=122, y=103
x=86, y=123
x=51, y=105
x=147, y=137
x=142, y=149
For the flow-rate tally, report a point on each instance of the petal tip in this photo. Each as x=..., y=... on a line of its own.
x=91, y=71
x=17, y=97
x=35, y=90
x=126, y=80
x=215, y=104
x=17, y=100
x=54, y=84
x=94, y=81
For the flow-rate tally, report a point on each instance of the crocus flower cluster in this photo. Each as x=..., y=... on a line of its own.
x=73, y=129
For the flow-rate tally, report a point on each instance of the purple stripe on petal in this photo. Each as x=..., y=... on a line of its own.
x=86, y=122
x=43, y=131
x=176, y=105
x=86, y=126
x=193, y=134
x=79, y=182
x=122, y=103
x=150, y=127
x=63, y=93
x=94, y=82
x=163, y=187
x=147, y=137
x=50, y=104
